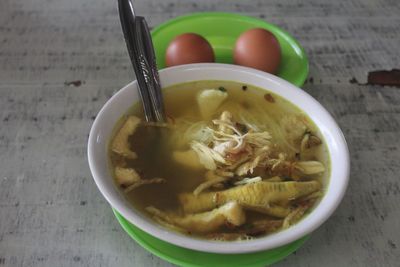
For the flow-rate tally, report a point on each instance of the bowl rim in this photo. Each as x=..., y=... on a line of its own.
x=304, y=227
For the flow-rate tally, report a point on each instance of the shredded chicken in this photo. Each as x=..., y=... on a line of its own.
x=296, y=169
x=120, y=144
x=129, y=179
x=259, y=139
x=242, y=151
x=309, y=140
x=294, y=216
x=226, y=119
x=126, y=176
x=248, y=167
x=224, y=173
x=309, y=167
x=207, y=156
x=224, y=147
x=294, y=127
x=208, y=184
x=237, y=151
x=249, y=180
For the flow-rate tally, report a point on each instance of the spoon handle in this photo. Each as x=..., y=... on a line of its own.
x=149, y=68
x=141, y=52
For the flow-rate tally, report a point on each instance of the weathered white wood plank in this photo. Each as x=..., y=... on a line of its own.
x=51, y=213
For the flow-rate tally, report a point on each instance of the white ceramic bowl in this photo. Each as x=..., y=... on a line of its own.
x=124, y=98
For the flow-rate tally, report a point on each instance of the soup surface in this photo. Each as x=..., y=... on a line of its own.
x=234, y=162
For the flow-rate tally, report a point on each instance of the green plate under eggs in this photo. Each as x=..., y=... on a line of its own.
x=222, y=30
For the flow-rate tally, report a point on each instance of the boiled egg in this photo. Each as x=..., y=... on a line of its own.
x=258, y=48
x=188, y=48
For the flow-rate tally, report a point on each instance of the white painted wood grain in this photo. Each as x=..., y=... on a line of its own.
x=51, y=213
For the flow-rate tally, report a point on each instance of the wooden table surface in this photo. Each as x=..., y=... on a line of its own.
x=61, y=60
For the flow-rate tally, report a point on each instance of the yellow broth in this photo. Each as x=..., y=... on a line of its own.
x=154, y=147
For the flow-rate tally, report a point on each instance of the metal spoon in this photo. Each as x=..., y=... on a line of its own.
x=141, y=52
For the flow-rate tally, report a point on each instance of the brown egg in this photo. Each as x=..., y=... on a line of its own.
x=259, y=49
x=188, y=48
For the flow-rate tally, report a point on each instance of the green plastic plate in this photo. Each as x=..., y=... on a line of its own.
x=222, y=30
x=191, y=258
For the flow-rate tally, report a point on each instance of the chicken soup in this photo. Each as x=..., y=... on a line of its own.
x=233, y=162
